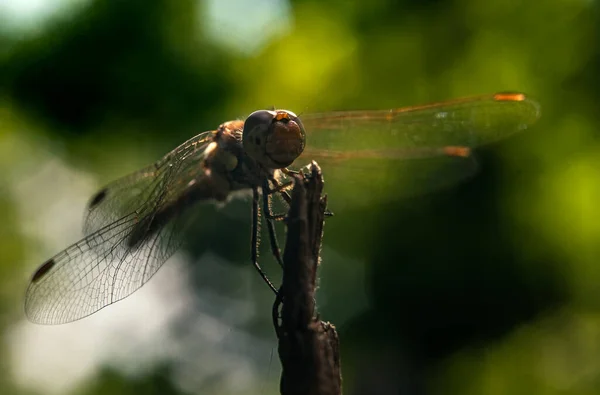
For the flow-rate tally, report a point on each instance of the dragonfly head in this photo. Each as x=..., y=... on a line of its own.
x=273, y=138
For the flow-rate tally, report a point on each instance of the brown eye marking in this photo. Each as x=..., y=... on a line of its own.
x=98, y=198
x=282, y=115
x=286, y=141
x=42, y=270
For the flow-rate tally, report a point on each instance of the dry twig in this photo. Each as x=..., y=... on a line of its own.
x=308, y=347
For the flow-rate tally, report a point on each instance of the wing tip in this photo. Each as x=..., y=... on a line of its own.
x=458, y=151
x=510, y=96
x=520, y=97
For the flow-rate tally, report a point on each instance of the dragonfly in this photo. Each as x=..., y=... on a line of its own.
x=134, y=224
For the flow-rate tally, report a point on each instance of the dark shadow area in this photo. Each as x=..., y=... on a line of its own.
x=128, y=61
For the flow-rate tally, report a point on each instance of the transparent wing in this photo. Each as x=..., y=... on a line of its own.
x=144, y=190
x=134, y=225
x=361, y=151
x=402, y=132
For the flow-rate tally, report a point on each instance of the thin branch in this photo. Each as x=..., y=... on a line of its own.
x=308, y=347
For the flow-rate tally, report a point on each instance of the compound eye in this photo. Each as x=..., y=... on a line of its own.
x=257, y=125
x=256, y=129
x=273, y=138
x=286, y=139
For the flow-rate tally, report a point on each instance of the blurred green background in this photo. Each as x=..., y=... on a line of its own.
x=489, y=287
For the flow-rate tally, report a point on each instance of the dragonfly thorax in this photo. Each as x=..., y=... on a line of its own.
x=273, y=138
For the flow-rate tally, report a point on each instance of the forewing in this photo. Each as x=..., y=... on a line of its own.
x=468, y=122
x=145, y=190
x=106, y=266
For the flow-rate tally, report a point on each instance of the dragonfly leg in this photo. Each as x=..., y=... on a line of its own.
x=289, y=172
x=279, y=187
x=286, y=196
x=277, y=217
x=282, y=189
x=275, y=312
x=256, y=239
x=271, y=226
